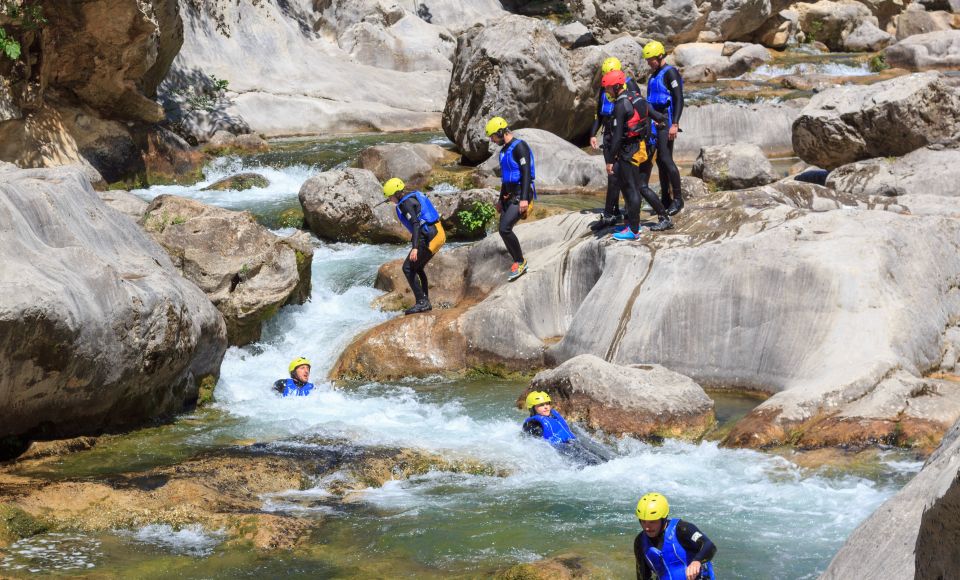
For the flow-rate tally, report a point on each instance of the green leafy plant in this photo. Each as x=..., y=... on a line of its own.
x=816, y=27
x=878, y=63
x=475, y=219
x=204, y=98
x=23, y=16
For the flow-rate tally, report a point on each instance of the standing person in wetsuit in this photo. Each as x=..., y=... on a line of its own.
x=665, y=94
x=298, y=385
x=417, y=213
x=670, y=547
x=603, y=117
x=629, y=156
x=517, y=191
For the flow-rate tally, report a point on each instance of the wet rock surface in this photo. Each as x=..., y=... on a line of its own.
x=101, y=331
x=246, y=271
x=647, y=401
x=239, y=182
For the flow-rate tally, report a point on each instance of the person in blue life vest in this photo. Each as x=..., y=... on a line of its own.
x=603, y=118
x=665, y=94
x=417, y=213
x=298, y=385
x=517, y=191
x=670, y=548
x=545, y=421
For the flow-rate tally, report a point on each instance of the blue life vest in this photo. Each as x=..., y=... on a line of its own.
x=670, y=562
x=606, y=105
x=428, y=214
x=509, y=168
x=290, y=388
x=555, y=429
x=658, y=95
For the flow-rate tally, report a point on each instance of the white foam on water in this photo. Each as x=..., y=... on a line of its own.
x=767, y=71
x=191, y=540
x=53, y=552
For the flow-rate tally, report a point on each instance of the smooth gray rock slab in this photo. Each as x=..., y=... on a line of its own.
x=867, y=38
x=733, y=166
x=930, y=171
x=125, y=202
x=100, y=331
x=934, y=50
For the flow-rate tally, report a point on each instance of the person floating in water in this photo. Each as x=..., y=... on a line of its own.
x=545, y=422
x=298, y=384
x=670, y=547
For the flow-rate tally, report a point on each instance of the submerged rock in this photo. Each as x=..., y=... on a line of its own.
x=239, y=182
x=245, y=270
x=100, y=330
x=641, y=400
x=894, y=117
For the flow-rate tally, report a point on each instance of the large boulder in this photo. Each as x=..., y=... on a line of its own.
x=914, y=534
x=932, y=170
x=640, y=400
x=348, y=205
x=100, y=331
x=894, y=117
x=246, y=271
x=515, y=69
x=831, y=22
x=867, y=38
x=733, y=166
x=701, y=60
x=411, y=162
x=573, y=35
x=915, y=20
x=559, y=163
x=765, y=125
x=935, y=50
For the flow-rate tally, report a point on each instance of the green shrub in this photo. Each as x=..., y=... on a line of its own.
x=878, y=63
x=24, y=16
x=475, y=219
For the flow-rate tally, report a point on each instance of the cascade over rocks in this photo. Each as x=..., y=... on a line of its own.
x=246, y=271
x=782, y=322
x=347, y=205
x=559, y=163
x=640, y=400
x=893, y=117
x=100, y=331
x=734, y=166
x=914, y=534
x=934, y=50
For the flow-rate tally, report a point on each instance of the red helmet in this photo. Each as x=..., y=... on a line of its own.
x=613, y=78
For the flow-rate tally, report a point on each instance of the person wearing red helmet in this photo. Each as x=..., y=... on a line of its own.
x=631, y=155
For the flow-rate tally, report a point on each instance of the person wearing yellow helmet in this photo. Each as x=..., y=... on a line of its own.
x=517, y=190
x=671, y=548
x=603, y=118
x=665, y=94
x=544, y=421
x=298, y=384
x=417, y=213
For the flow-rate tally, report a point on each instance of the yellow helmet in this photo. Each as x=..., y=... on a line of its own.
x=612, y=63
x=392, y=186
x=652, y=49
x=297, y=362
x=652, y=506
x=537, y=398
x=496, y=124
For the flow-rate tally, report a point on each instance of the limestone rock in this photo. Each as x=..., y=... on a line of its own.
x=831, y=22
x=100, y=331
x=765, y=125
x=721, y=60
x=238, y=182
x=126, y=203
x=867, y=38
x=411, y=162
x=935, y=50
x=559, y=163
x=915, y=20
x=933, y=170
x=246, y=271
x=573, y=35
x=894, y=117
x=914, y=533
x=779, y=30
x=640, y=400
x=734, y=166
x=446, y=273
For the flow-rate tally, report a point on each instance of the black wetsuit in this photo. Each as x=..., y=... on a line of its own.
x=666, y=167
x=511, y=194
x=422, y=235
x=698, y=547
x=611, y=206
x=633, y=179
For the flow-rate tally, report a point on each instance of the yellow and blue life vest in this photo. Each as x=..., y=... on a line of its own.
x=428, y=214
x=670, y=562
x=291, y=388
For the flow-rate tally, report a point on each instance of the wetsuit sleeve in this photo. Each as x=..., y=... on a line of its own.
x=658, y=117
x=620, y=116
x=694, y=542
x=533, y=428
x=671, y=79
x=596, y=115
x=279, y=385
x=410, y=208
x=633, y=86
x=524, y=158
x=643, y=570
